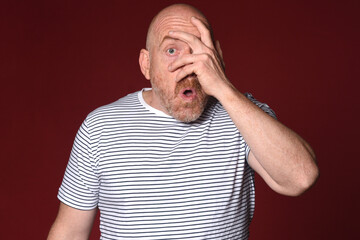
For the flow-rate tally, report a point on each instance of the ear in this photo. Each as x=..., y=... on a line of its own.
x=144, y=62
x=218, y=49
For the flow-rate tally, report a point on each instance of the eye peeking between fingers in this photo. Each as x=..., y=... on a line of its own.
x=171, y=51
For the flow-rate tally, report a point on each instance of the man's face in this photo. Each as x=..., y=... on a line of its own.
x=184, y=100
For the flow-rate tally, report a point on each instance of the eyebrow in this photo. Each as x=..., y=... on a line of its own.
x=168, y=38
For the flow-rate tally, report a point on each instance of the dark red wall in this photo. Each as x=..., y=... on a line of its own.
x=61, y=59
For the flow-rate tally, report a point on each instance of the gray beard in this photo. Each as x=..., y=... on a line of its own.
x=183, y=111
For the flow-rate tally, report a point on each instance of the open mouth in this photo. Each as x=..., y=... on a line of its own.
x=188, y=94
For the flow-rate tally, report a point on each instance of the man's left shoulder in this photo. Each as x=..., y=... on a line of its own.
x=261, y=105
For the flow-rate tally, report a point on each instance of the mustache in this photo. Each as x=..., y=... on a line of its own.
x=190, y=81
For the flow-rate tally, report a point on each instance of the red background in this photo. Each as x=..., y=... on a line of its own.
x=62, y=59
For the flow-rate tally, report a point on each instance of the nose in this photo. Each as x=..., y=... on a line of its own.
x=192, y=76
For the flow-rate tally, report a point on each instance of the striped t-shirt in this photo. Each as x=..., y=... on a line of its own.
x=153, y=177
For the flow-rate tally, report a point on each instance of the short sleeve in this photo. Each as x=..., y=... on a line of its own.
x=79, y=188
x=263, y=107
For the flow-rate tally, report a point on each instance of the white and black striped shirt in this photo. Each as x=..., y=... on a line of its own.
x=153, y=177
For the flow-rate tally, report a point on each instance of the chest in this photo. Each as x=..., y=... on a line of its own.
x=142, y=160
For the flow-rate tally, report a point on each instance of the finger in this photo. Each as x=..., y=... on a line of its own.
x=204, y=32
x=182, y=61
x=194, y=42
x=218, y=49
x=185, y=71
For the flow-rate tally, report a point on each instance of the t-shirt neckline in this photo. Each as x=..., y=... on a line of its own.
x=150, y=108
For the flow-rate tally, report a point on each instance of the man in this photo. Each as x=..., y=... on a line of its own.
x=176, y=161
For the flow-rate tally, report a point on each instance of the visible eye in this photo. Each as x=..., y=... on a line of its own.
x=171, y=51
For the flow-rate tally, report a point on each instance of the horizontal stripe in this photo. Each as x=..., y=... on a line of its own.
x=153, y=177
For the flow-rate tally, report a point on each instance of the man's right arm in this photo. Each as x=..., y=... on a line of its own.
x=72, y=224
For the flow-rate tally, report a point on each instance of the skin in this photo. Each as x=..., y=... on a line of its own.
x=282, y=158
x=72, y=224
x=163, y=49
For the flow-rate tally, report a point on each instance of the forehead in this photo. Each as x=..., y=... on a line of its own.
x=171, y=22
x=167, y=39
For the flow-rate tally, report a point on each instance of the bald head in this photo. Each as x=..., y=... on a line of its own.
x=177, y=14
